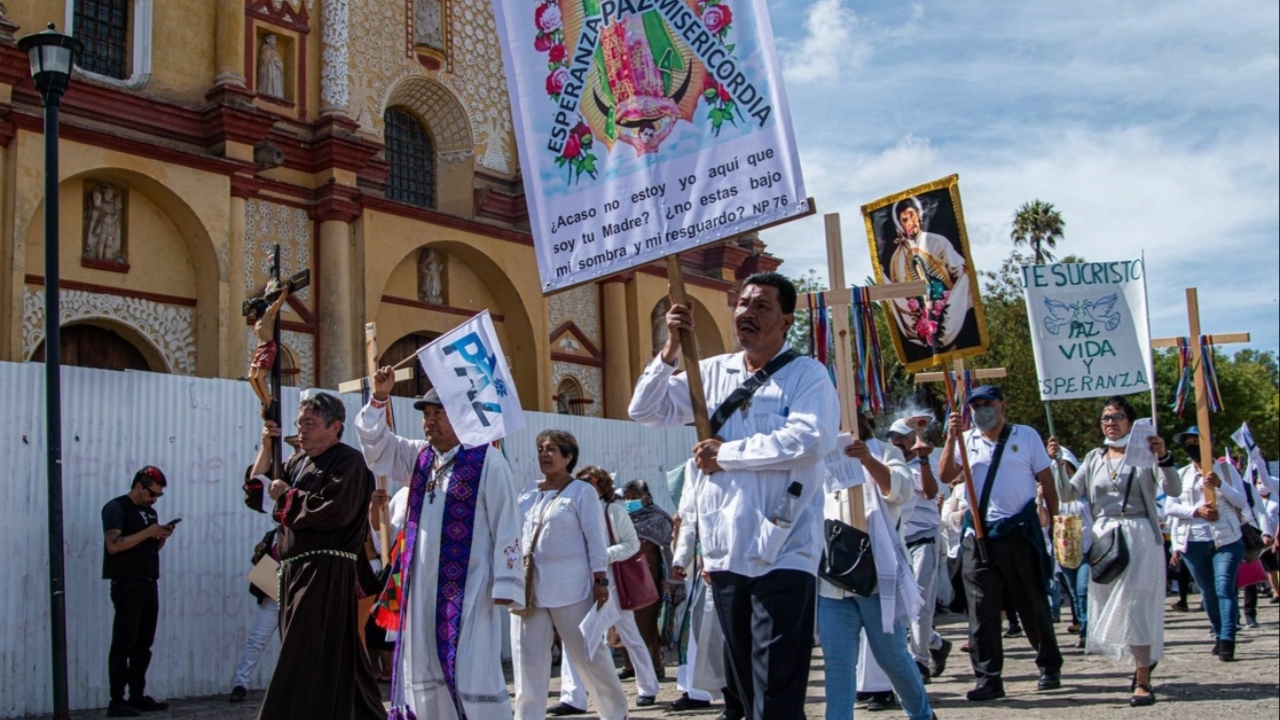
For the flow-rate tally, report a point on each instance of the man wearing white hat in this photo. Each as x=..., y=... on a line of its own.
x=921, y=526
x=456, y=561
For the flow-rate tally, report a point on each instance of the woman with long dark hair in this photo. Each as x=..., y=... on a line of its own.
x=1126, y=615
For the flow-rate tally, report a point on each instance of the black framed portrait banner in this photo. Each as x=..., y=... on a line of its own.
x=919, y=234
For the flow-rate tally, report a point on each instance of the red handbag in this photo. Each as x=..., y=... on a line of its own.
x=632, y=577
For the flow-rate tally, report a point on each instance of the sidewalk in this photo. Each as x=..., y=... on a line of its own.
x=1191, y=684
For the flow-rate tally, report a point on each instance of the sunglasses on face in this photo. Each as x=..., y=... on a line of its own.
x=154, y=494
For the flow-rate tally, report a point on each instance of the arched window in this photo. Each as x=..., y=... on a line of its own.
x=569, y=398
x=412, y=159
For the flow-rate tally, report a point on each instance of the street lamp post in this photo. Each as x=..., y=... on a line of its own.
x=52, y=55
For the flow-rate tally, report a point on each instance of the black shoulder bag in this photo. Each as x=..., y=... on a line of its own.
x=1252, y=536
x=847, y=560
x=1109, y=555
x=742, y=394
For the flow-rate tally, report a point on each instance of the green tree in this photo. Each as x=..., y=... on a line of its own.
x=1039, y=226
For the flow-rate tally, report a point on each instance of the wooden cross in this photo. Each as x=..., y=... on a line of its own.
x=371, y=365
x=949, y=379
x=254, y=305
x=1202, y=388
x=840, y=300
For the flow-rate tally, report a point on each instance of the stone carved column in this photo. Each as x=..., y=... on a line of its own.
x=334, y=57
x=617, y=350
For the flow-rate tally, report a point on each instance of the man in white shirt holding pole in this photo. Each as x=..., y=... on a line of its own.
x=763, y=568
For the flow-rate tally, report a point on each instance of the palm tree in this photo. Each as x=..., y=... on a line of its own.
x=1038, y=225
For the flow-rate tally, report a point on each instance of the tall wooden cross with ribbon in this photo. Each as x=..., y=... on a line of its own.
x=364, y=386
x=840, y=299
x=1200, y=348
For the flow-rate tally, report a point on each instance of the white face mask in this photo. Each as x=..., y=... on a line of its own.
x=985, y=417
x=1118, y=442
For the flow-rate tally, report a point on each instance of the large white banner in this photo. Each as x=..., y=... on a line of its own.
x=645, y=128
x=468, y=369
x=1089, y=328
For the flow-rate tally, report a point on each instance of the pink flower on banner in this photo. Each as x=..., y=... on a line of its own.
x=543, y=42
x=547, y=17
x=717, y=18
x=913, y=305
x=926, y=329
x=556, y=80
x=557, y=53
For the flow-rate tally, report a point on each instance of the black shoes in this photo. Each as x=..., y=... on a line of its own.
x=938, y=658
x=1049, y=681
x=119, y=708
x=238, y=694
x=1143, y=700
x=1217, y=647
x=564, y=709
x=987, y=691
x=926, y=676
x=147, y=704
x=626, y=673
x=881, y=701
x=684, y=702
x=1015, y=630
x=1227, y=651
x=645, y=700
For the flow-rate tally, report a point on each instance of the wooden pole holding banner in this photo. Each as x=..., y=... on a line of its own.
x=1201, y=383
x=689, y=351
x=839, y=299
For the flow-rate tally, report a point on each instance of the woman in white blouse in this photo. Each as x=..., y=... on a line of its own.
x=565, y=535
x=1208, y=538
x=623, y=543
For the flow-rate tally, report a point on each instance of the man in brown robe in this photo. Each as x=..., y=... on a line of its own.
x=322, y=507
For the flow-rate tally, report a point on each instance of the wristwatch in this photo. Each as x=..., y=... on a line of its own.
x=602, y=582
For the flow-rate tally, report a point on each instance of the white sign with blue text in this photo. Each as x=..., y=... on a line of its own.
x=1089, y=328
x=467, y=367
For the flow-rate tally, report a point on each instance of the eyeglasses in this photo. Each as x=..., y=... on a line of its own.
x=153, y=493
x=1113, y=418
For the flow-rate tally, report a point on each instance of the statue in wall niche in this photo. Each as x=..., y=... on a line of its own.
x=430, y=277
x=428, y=24
x=270, y=68
x=103, y=227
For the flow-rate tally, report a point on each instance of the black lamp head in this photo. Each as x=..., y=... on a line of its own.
x=52, y=56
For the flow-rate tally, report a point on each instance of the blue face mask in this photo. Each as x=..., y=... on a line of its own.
x=633, y=506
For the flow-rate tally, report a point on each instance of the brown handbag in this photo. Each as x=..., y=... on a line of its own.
x=528, y=608
x=633, y=578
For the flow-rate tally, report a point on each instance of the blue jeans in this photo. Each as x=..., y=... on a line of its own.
x=840, y=623
x=1214, y=571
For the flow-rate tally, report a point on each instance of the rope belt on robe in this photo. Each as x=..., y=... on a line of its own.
x=455, y=556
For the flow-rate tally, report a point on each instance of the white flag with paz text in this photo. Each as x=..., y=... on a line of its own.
x=467, y=368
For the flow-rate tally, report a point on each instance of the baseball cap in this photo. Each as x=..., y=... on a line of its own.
x=900, y=427
x=990, y=393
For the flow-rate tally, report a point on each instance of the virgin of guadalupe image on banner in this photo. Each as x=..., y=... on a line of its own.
x=919, y=234
x=645, y=128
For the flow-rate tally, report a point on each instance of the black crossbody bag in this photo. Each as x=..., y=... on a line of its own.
x=1109, y=555
x=742, y=394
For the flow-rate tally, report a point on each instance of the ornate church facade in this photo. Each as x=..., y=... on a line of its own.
x=371, y=140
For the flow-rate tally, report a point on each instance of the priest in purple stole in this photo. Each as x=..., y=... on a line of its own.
x=456, y=562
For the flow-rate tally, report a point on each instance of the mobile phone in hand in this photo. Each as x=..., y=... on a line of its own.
x=174, y=522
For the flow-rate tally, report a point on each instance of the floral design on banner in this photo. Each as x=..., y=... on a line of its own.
x=718, y=18
x=576, y=154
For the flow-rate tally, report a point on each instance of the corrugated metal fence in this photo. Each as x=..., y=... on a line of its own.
x=202, y=433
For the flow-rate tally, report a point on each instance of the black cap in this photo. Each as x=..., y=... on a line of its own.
x=795, y=489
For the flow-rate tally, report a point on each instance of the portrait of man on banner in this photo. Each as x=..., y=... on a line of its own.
x=919, y=234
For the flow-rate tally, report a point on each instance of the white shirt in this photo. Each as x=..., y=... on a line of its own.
x=625, y=541
x=572, y=546
x=1015, y=482
x=1186, y=527
x=923, y=517
x=790, y=425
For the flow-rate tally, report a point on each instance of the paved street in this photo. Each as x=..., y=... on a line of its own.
x=1190, y=683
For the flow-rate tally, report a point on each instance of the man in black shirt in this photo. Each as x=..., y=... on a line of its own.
x=131, y=561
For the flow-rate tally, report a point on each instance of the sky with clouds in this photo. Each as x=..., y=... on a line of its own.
x=1151, y=126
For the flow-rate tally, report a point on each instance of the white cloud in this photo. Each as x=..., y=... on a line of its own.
x=828, y=47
